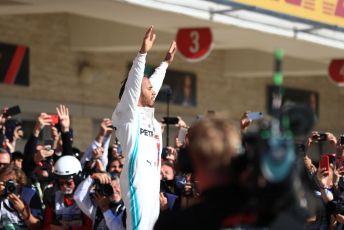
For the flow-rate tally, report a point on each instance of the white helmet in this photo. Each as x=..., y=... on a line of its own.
x=67, y=166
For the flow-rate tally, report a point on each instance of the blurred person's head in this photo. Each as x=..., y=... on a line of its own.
x=171, y=156
x=67, y=169
x=167, y=171
x=13, y=130
x=115, y=166
x=5, y=158
x=187, y=86
x=17, y=159
x=117, y=195
x=213, y=142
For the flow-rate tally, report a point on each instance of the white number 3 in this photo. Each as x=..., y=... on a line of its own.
x=194, y=35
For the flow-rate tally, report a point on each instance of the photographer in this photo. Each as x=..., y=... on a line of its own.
x=99, y=197
x=20, y=206
x=62, y=212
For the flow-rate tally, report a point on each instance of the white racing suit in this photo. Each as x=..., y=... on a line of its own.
x=140, y=136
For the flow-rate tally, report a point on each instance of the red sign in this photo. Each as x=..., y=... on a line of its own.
x=340, y=8
x=194, y=44
x=336, y=71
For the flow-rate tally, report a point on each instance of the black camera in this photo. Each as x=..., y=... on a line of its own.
x=320, y=137
x=48, y=163
x=10, y=187
x=170, y=120
x=335, y=207
x=103, y=189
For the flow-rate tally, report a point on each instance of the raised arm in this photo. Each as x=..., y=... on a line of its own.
x=159, y=74
x=132, y=91
x=63, y=113
x=82, y=197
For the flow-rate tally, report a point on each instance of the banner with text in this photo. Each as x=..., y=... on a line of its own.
x=324, y=11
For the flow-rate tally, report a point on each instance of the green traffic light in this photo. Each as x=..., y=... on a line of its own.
x=279, y=54
x=278, y=78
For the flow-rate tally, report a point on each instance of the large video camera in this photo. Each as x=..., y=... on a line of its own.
x=103, y=189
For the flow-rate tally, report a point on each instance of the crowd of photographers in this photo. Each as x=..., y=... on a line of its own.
x=53, y=185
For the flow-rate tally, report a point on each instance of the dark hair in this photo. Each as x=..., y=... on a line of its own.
x=12, y=169
x=17, y=155
x=121, y=91
x=114, y=176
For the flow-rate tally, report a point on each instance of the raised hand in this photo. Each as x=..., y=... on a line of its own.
x=245, y=122
x=103, y=178
x=43, y=153
x=102, y=202
x=99, y=166
x=63, y=113
x=331, y=138
x=97, y=152
x=171, y=52
x=105, y=127
x=148, y=40
x=42, y=120
x=163, y=202
x=18, y=204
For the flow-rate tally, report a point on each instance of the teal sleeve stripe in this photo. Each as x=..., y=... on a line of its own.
x=133, y=196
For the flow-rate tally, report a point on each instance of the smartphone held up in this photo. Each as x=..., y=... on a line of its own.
x=54, y=119
x=254, y=115
x=324, y=163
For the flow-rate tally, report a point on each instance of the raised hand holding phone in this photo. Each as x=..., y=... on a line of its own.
x=324, y=163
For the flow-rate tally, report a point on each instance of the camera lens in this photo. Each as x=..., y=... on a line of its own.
x=107, y=190
x=10, y=187
x=103, y=189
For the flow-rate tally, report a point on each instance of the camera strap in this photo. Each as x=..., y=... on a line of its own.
x=99, y=217
x=9, y=206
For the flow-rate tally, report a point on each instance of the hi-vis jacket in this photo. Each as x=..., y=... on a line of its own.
x=140, y=136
